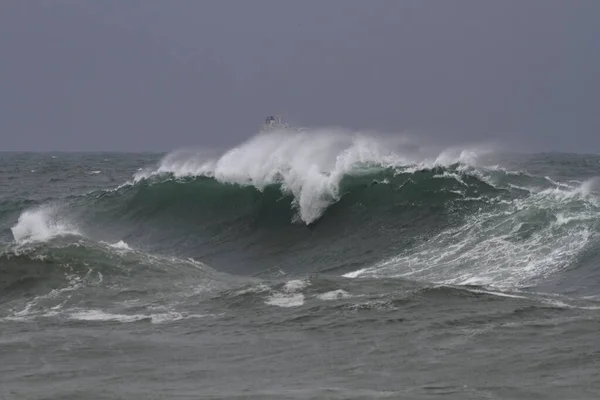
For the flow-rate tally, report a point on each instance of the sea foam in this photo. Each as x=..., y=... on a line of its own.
x=41, y=224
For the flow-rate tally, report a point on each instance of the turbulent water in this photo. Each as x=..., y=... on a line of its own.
x=306, y=265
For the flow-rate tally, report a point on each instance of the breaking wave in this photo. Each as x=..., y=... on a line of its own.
x=356, y=205
x=41, y=224
x=307, y=166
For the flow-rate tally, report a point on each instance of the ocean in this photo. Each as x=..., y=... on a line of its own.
x=300, y=265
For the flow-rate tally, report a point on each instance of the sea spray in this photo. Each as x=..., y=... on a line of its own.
x=40, y=224
x=308, y=165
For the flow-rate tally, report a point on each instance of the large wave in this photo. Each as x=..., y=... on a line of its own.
x=323, y=201
x=309, y=165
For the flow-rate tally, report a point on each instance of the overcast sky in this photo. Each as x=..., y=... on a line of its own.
x=158, y=75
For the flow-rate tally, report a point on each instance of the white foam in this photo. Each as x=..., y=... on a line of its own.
x=158, y=318
x=121, y=245
x=334, y=295
x=588, y=188
x=309, y=164
x=289, y=296
x=562, y=304
x=295, y=285
x=41, y=224
x=260, y=288
x=357, y=273
x=498, y=294
x=98, y=315
x=286, y=300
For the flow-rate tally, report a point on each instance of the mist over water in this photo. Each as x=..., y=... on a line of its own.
x=289, y=239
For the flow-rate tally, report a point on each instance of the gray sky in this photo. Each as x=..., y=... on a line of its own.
x=158, y=75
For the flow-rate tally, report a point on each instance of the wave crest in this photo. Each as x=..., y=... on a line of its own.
x=41, y=224
x=309, y=165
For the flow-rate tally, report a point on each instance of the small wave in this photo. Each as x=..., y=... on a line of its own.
x=289, y=296
x=156, y=318
x=121, y=245
x=41, y=224
x=334, y=295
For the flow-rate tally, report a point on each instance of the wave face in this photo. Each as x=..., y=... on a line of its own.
x=313, y=201
x=307, y=166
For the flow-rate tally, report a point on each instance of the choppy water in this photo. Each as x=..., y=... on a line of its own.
x=300, y=266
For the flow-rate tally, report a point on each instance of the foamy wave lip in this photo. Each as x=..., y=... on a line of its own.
x=40, y=225
x=334, y=295
x=562, y=304
x=121, y=245
x=309, y=164
x=181, y=164
x=358, y=272
x=158, y=318
x=260, y=288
